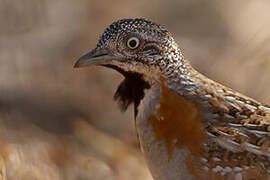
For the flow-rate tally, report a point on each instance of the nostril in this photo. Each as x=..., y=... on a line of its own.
x=99, y=55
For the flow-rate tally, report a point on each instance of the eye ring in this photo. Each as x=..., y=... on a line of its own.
x=133, y=43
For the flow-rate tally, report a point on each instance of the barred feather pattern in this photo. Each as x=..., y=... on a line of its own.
x=237, y=127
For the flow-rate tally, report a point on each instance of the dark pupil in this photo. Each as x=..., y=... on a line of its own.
x=132, y=43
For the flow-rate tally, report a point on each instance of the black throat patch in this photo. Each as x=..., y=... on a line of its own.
x=130, y=90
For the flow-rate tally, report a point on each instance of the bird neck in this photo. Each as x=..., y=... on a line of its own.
x=178, y=73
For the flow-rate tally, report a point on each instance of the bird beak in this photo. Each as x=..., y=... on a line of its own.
x=95, y=57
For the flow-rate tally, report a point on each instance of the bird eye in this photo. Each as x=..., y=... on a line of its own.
x=133, y=42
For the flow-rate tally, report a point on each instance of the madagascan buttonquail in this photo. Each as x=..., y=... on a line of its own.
x=189, y=126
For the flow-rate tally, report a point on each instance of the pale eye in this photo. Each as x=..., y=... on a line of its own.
x=133, y=42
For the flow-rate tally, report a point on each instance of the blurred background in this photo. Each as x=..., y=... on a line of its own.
x=57, y=122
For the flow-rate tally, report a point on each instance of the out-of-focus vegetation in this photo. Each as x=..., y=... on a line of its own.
x=60, y=123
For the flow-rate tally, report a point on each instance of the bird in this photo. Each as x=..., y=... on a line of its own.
x=189, y=126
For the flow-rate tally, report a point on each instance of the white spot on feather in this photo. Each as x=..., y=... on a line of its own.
x=238, y=176
x=217, y=169
x=227, y=169
x=237, y=169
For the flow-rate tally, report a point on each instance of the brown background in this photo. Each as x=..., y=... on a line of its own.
x=60, y=123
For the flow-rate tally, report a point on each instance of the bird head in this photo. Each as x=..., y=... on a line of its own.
x=134, y=45
x=140, y=50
